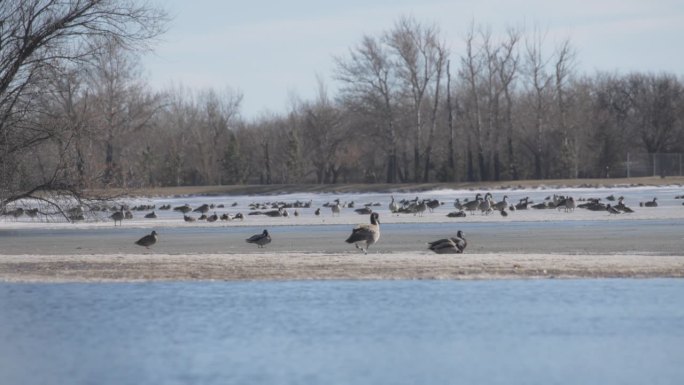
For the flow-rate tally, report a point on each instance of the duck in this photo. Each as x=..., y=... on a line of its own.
x=260, y=239
x=366, y=233
x=147, y=240
x=452, y=245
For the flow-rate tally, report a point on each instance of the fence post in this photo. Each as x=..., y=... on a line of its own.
x=628, y=173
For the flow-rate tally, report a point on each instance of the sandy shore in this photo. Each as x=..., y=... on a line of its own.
x=298, y=266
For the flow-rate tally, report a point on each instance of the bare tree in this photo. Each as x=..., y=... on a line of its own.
x=539, y=82
x=36, y=35
x=369, y=85
x=420, y=63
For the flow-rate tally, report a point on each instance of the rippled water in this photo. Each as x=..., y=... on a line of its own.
x=340, y=332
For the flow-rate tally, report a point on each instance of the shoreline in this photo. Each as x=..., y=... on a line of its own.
x=397, y=188
x=338, y=266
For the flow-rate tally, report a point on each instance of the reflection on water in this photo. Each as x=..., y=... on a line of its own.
x=378, y=332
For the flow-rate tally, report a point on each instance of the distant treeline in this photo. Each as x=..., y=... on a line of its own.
x=405, y=109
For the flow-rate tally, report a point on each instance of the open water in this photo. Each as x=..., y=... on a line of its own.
x=344, y=332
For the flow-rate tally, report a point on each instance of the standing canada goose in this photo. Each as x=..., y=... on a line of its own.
x=368, y=233
x=453, y=245
x=501, y=204
x=393, y=206
x=118, y=216
x=336, y=208
x=473, y=205
x=147, y=240
x=260, y=239
x=151, y=215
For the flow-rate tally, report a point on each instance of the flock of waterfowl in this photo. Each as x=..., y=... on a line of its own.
x=363, y=235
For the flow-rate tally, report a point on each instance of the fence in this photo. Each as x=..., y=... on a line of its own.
x=653, y=164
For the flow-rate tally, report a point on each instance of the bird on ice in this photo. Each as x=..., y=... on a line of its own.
x=148, y=240
x=260, y=239
x=367, y=233
x=452, y=245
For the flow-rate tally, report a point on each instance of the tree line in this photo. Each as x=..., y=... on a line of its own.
x=77, y=114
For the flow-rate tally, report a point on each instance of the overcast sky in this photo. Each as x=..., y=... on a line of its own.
x=271, y=50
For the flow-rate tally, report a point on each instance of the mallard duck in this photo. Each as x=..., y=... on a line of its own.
x=453, y=245
x=368, y=233
x=260, y=239
x=147, y=240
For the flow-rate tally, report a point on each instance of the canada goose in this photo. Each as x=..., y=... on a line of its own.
x=486, y=204
x=239, y=216
x=458, y=205
x=364, y=211
x=473, y=205
x=117, y=217
x=225, y=217
x=622, y=207
x=570, y=204
x=260, y=239
x=503, y=212
x=336, y=208
x=393, y=206
x=147, y=240
x=611, y=209
x=128, y=214
x=202, y=209
x=31, y=213
x=368, y=233
x=318, y=211
x=457, y=214
x=501, y=204
x=151, y=215
x=652, y=203
x=202, y=217
x=189, y=218
x=432, y=204
x=184, y=209
x=522, y=204
x=419, y=208
x=212, y=218
x=453, y=245
x=296, y=213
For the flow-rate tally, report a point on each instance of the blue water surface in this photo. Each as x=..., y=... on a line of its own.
x=344, y=332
